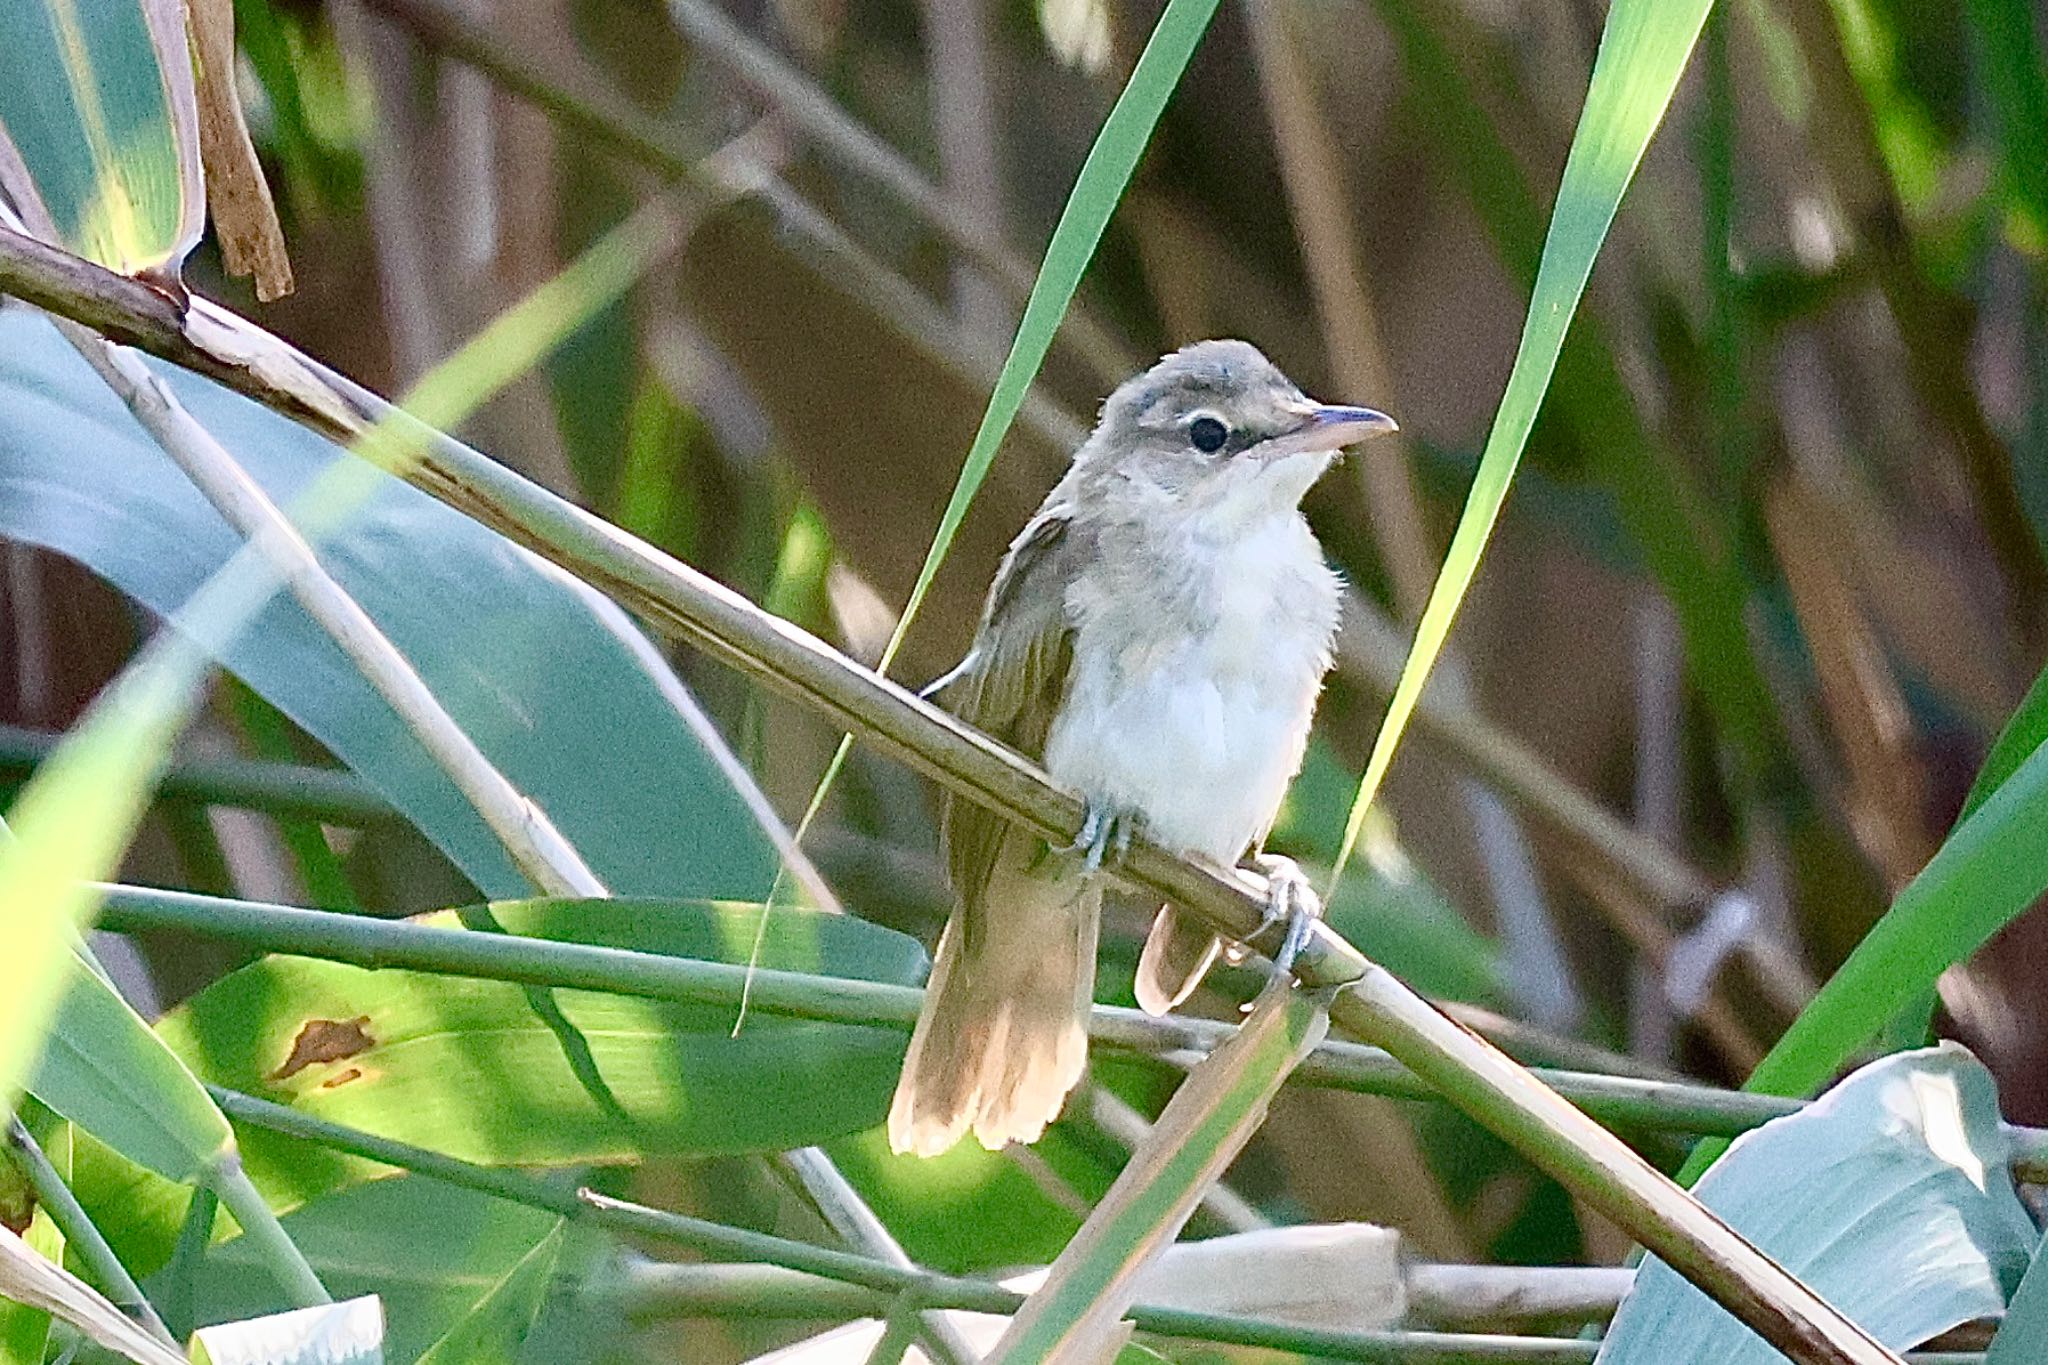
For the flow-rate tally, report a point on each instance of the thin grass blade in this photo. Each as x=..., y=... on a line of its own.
x=1989, y=872
x=1097, y=190
x=1642, y=54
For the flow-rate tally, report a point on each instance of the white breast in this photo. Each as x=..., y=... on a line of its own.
x=1195, y=676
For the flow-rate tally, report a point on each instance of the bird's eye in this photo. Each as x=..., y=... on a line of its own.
x=1207, y=434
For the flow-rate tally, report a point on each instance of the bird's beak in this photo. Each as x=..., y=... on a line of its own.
x=1327, y=426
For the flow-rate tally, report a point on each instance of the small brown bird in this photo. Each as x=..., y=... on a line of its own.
x=1156, y=636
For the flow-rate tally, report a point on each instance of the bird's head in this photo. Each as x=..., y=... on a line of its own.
x=1216, y=423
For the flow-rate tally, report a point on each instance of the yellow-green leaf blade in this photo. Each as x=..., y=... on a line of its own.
x=1642, y=54
x=1097, y=190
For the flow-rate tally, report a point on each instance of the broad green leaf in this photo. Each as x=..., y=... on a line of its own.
x=108, y=132
x=104, y=1070
x=493, y=1331
x=468, y=1067
x=2023, y=1338
x=1075, y=1313
x=1643, y=52
x=513, y=648
x=1905, y=1216
x=139, y=1212
x=346, y=1333
x=971, y=1210
x=1990, y=870
x=429, y=1252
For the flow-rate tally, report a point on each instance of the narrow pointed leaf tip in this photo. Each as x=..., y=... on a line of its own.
x=1643, y=52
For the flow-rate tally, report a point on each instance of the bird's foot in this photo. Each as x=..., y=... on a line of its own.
x=1290, y=899
x=1106, y=832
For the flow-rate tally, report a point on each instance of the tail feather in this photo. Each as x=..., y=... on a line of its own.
x=1003, y=1034
x=1176, y=957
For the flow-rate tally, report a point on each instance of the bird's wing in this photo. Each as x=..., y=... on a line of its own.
x=1011, y=683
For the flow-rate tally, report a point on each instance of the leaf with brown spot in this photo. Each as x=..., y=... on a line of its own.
x=468, y=1067
x=326, y=1040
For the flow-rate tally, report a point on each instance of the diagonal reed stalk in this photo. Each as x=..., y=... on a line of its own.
x=123, y=309
x=1589, y=1160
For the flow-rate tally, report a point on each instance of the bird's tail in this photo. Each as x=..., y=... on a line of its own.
x=1177, y=955
x=1003, y=1034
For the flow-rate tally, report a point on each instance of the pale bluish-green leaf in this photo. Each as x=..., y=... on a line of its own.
x=74, y=819
x=1643, y=51
x=107, y=129
x=346, y=1333
x=1990, y=870
x=512, y=647
x=2023, y=1337
x=104, y=1070
x=1905, y=1216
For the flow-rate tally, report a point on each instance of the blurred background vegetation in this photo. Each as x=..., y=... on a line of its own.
x=1771, y=579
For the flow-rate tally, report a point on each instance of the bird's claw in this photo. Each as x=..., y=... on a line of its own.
x=1105, y=835
x=1292, y=900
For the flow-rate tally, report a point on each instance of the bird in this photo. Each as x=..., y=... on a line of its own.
x=1156, y=637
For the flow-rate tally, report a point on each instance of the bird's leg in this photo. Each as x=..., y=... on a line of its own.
x=1106, y=829
x=1291, y=899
